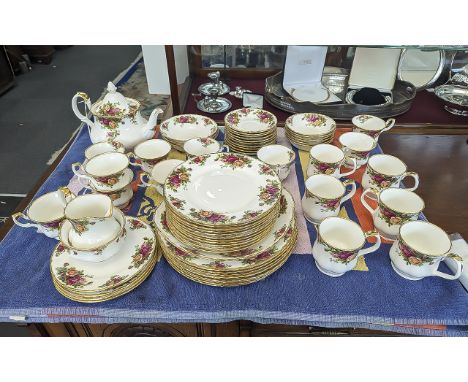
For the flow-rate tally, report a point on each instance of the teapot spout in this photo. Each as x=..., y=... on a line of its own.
x=153, y=119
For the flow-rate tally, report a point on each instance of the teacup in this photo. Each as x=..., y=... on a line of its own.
x=395, y=206
x=278, y=157
x=160, y=173
x=103, y=147
x=357, y=146
x=103, y=169
x=327, y=159
x=98, y=253
x=370, y=125
x=420, y=248
x=91, y=217
x=46, y=212
x=149, y=153
x=120, y=198
x=339, y=245
x=203, y=146
x=324, y=195
x=385, y=171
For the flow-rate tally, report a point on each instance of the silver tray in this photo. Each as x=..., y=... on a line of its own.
x=403, y=95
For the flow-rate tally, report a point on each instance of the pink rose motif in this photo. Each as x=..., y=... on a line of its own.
x=389, y=214
x=385, y=184
x=174, y=180
x=322, y=167
x=263, y=255
x=345, y=255
x=406, y=251
x=230, y=158
x=183, y=119
x=105, y=121
x=145, y=249
x=332, y=203
x=72, y=280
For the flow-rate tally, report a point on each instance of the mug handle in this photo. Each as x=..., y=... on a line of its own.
x=415, y=176
x=375, y=247
x=15, y=217
x=364, y=203
x=352, y=171
x=346, y=183
x=225, y=148
x=76, y=167
x=143, y=183
x=457, y=274
x=131, y=156
x=388, y=125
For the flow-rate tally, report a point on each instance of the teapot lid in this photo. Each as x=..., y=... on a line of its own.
x=114, y=101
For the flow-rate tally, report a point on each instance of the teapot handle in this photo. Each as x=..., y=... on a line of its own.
x=87, y=101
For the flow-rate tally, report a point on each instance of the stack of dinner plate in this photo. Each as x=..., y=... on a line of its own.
x=309, y=129
x=90, y=281
x=181, y=128
x=247, y=130
x=226, y=220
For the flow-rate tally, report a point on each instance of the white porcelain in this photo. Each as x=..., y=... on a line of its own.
x=278, y=157
x=203, y=146
x=46, y=212
x=339, y=245
x=120, y=198
x=395, y=206
x=99, y=253
x=116, y=118
x=250, y=120
x=371, y=125
x=357, y=146
x=327, y=159
x=420, y=248
x=149, y=153
x=103, y=147
x=159, y=174
x=324, y=195
x=385, y=171
x=182, y=128
x=106, y=169
x=310, y=124
x=92, y=219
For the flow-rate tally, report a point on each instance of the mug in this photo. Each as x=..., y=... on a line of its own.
x=324, y=196
x=159, y=174
x=149, y=153
x=395, y=206
x=103, y=169
x=385, y=171
x=278, y=157
x=339, y=245
x=327, y=159
x=46, y=212
x=357, y=146
x=202, y=146
x=370, y=125
x=103, y=147
x=420, y=248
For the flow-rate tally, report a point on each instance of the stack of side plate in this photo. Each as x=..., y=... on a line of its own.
x=179, y=129
x=90, y=282
x=232, y=268
x=247, y=130
x=309, y=129
x=222, y=202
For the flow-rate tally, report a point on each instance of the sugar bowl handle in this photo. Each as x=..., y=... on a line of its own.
x=373, y=248
x=459, y=261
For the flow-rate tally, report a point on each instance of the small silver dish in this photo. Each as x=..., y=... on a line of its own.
x=454, y=98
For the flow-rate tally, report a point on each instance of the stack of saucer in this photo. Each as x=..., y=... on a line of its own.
x=247, y=130
x=232, y=268
x=309, y=129
x=222, y=202
x=181, y=128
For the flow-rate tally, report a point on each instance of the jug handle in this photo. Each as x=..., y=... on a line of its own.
x=87, y=101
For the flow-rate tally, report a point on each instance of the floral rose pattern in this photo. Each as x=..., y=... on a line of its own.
x=218, y=265
x=358, y=154
x=113, y=281
x=185, y=119
x=116, y=195
x=234, y=160
x=265, y=117
x=412, y=257
x=136, y=224
x=73, y=277
x=314, y=120
x=110, y=180
x=164, y=222
x=325, y=204
x=269, y=193
x=142, y=253
x=52, y=225
x=363, y=118
x=201, y=159
x=111, y=110
x=179, y=177
x=179, y=252
x=283, y=205
x=392, y=217
x=82, y=225
x=177, y=203
x=249, y=215
x=60, y=249
x=205, y=142
x=207, y=121
x=380, y=180
x=261, y=256
x=280, y=232
x=324, y=168
x=209, y=216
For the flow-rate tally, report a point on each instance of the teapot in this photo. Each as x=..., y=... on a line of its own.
x=116, y=118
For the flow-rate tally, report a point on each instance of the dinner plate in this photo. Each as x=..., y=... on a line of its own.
x=223, y=188
x=310, y=124
x=187, y=126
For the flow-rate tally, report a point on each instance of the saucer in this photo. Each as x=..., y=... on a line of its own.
x=124, y=180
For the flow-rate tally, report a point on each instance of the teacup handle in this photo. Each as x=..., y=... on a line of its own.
x=143, y=183
x=67, y=193
x=352, y=171
x=16, y=216
x=457, y=274
x=388, y=125
x=363, y=201
x=373, y=248
x=76, y=167
x=415, y=176
x=225, y=148
x=346, y=183
x=131, y=156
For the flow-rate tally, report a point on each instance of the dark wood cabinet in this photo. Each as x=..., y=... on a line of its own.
x=7, y=77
